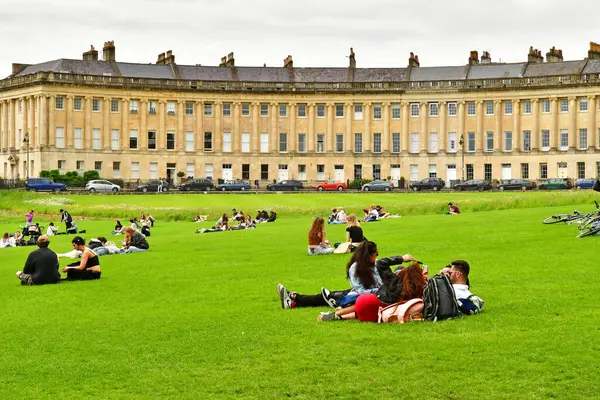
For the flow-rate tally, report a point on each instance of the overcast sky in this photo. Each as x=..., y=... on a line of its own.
x=314, y=32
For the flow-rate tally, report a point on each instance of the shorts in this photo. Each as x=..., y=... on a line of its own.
x=367, y=307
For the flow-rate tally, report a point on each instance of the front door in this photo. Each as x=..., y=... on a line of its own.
x=450, y=174
x=506, y=172
x=227, y=173
x=282, y=172
x=562, y=170
x=395, y=174
x=171, y=172
x=338, y=174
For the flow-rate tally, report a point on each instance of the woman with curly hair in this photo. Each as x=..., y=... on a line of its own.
x=317, y=239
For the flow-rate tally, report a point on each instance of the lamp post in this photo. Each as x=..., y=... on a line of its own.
x=462, y=154
x=26, y=141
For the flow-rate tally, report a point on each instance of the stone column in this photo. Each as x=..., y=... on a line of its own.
x=367, y=133
x=199, y=136
x=535, y=132
x=69, y=128
x=11, y=124
x=273, y=128
x=51, y=121
x=385, y=137
x=424, y=135
x=236, y=136
x=348, y=134
x=442, y=135
x=256, y=130
x=497, y=125
x=31, y=124
x=180, y=134
x=592, y=134
x=87, y=135
x=106, y=133
x=405, y=118
x=554, y=131
x=161, y=132
x=480, y=143
x=124, y=140
x=3, y=128
x=24, y=121
x=143, y=132
x=573, y=131
x=329, y=134
x=311, y=127
x=292, y=128
x=461, y=123
x=217, y=134
x=516, y=144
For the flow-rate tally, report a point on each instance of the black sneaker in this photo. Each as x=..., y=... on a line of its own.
x=329, y=299
x=284, y=296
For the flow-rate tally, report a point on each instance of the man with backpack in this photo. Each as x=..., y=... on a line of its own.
x=458, y=272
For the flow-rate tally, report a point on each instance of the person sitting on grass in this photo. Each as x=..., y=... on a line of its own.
x=118, y=228
x=340, y=218
x=18, y=239
x=272, y=216
x=354, y=233
x=107, y=247
x=41, y=266
x=7, y=241
x=371, y=214
x=52, y=230
x=458, y=272
x=89, y=266
x=317, y=239
x=200, y=218
x=333, y=216
x=134, y=241
x=151, y=219
x=453, y=209
x=219, y=227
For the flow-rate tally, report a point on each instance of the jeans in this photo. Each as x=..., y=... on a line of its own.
x=133, y=249
x=319, y=250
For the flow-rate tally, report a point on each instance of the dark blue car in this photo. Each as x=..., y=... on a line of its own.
x=585, y=183
x=234, y=185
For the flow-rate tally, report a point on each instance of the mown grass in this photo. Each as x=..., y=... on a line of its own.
x=198, y=316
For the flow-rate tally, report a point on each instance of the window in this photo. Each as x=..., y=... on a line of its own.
x=264, y=172
x=395, y=111
x=545, y=140
x=190, y=170
x=208, y=171
x=133, y=107
x=283, y=110
x=208, y=110
x=583, y=106
x=489, y=141
x=135, y=170
x=189, y=110
x=564, y=139
x=133, y=139
x=525, y=171
x=545, y=106
x=471, y=142
x=377, y=111
x=245, y=109
x=60, y=138
x=433, y=142
x=452, y=109
x=227, y=142
x=226, y=110
x=302, y=142
x=77, y=104
x=245, y=171
x=339, y=111
x=321, y=111
x=487, y=172
x=451, y=142
x=320, y=172
x=152, y=140
x=151, y=107
x=114, y=139
x=80, y=167
x=302, y=172
x=507, y=141
x=432, y=168
x=264, y=142
x=320, y=142
x=96, y=137
x=96, y=105
x=583, y=139
x=189, y=142
x=358, y=143
x=78, y=136
x=508, y=107
x=564, y=105
x=433, y=109
x=414, y=142
x=526, y=140
x=543, y=171
x=116, y=169
x=283, y=142
x=60, y=103
x=414, y=172
x=470, y=109
x=339, y=142
x=264, y=110
x=376, y=142
x=62, y=165
x=114, y=106
x=153, y=170
x=470, y=170
x=170, y=140
x=357, y=171
x=376, y=171
x=208, y=141
x=98, y=167
x=580, y=170
x=170, y=107
x=358, y=112
x=301, y=110
x=414, y=109
x=489, y=108
x=245, y=142
x=527, y=107
x=395, y=143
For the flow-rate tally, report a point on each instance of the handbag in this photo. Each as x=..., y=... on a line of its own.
x=402, y=312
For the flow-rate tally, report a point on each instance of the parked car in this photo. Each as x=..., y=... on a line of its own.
x=44, y=185
x=285, y=185
x=377, y=186
x=517, y=184
x=474, y=184
x=585, y=183
x=197, y=184
x=234, y=185
x=152, y=186
x=102, y=186
x=331, y=185
x=434, y=184
x=557, y=183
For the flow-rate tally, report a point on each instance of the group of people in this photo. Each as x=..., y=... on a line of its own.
x=318, y=244
x=29, y=234
x=143, y=225
x=239, y=221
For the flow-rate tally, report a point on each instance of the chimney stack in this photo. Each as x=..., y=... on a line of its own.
x=474, y=58
x=554, y=55
x=169, y=58
x=91, y=55
x=16, y=68
x=108, y=52
x=161, y=59
x=223, y=61
x=288, y=62
x=594, y=53
x=485, y=58
x=535, y=56
x=230, y=60
x=352, y=59
x=413, y=61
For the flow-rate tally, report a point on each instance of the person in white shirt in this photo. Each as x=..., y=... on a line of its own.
x=52, y=230
x=458, y=272
x=7, y=241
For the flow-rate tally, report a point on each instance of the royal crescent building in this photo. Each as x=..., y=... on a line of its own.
x=535, y=119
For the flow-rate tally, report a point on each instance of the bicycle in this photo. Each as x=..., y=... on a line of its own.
x=591, y=228
x=570, y=218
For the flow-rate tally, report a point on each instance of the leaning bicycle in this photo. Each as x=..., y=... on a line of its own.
x=571, y=218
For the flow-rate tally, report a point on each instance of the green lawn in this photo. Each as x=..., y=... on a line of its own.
x=198, y=316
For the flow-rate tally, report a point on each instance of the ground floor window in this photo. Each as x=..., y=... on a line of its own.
x=580, y=170
x=246, y=171
x=487, y=172
x=414, y=172
x=320, y=172
x=469, y=171
x=543, y=171
x=525, y=171
x=264, y=172
x=301, y=172
x=357, y=171
x=376, y=171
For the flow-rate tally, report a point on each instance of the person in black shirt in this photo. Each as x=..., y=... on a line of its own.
x=88, y=268
x=354, y=232
x=66, y=218
x=41, y=266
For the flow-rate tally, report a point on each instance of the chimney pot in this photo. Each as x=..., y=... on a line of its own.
x=474, y=58
x=223, y=61
x=109, y=51
x=413, y=60
x=554, y=55
x=91, y=54
x=594, y=52
x=288, y=62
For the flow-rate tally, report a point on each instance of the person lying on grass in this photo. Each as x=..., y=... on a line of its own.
x=106, y=248
x=88, y=268
x=134, y=242
x=41, y=266
x=453, y=209
x=458, y=272
x=317, y=239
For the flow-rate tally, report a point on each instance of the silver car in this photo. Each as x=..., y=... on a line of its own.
x=101, y=185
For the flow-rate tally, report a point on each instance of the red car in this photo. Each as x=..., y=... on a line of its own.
x=331, y=185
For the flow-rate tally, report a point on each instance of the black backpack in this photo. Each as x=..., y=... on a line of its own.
x=440, y=300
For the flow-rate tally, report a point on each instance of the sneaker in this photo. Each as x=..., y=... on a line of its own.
x=328, y=316
x=328, y=298
x=284, y=295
